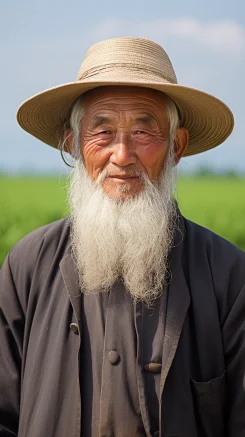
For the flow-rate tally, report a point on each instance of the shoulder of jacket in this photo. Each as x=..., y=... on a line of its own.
x=226, y=261
x=212, y=241
x=49, y=237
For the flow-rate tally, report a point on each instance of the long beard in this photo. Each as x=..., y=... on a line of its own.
x=126, y=240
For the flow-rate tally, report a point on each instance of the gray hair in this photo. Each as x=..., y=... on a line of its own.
x=78, y=111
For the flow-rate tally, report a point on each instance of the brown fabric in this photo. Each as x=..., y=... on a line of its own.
x=203, y=356
x=119, y=397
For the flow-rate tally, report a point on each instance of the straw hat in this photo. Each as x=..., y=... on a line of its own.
x=136, y=62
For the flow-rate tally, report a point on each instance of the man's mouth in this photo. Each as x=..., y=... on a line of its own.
x=123, y=177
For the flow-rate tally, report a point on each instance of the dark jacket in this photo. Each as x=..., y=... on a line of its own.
x=203, y=360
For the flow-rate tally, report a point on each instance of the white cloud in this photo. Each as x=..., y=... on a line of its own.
x=226, y=37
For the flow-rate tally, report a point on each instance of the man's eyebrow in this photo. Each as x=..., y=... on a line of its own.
x=98, y=120
x=145, y=118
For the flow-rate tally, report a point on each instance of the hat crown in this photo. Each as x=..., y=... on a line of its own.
x=120, y=58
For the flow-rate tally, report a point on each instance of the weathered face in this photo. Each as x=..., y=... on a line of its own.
x=125, y=130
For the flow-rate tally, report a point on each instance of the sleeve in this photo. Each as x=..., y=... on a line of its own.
x=234, y=348
x=11, y=340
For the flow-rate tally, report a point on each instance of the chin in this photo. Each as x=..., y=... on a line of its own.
x=116, y=195
x=122, y=192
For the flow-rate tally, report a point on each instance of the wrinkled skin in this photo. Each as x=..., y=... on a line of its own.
x=125, y=130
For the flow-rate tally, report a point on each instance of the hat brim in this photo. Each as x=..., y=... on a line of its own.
x=208, y=120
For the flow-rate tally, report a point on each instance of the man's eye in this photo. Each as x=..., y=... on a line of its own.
x=105, y=132
x=139, y=132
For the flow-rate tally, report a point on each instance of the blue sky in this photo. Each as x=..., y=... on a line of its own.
x=42, y=45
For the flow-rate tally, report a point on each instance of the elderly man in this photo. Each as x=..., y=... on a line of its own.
x=126, y=319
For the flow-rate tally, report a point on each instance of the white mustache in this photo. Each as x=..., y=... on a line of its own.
x=130, y=173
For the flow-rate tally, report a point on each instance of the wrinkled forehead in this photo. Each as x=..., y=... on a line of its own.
x=123, y=89
x=124, y=98
x=110, y=92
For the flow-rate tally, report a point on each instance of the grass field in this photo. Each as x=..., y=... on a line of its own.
x=27, y=203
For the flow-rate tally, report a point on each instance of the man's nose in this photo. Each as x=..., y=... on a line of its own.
x=123, y=151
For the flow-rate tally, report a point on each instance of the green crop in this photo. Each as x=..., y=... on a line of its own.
x=28, y=203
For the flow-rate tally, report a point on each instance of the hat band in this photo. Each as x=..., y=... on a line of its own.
x=123, y=72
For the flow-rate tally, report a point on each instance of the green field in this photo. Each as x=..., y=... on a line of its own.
x=27, y=203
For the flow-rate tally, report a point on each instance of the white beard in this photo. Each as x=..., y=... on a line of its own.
x=126, y=240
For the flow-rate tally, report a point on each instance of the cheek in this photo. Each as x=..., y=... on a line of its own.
x=95, y=157
x=152, y=155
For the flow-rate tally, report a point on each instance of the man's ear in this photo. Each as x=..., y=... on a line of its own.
x=68, y=140
x=180, y=143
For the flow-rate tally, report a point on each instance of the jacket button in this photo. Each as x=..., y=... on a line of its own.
x=114, y=357
x=74, y=328
x=153, y=368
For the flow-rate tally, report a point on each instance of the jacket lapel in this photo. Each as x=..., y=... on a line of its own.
x=177, y=307
x=70, y=279
x=178, y=304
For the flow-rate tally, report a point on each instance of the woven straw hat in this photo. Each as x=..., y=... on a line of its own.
x=131, y=62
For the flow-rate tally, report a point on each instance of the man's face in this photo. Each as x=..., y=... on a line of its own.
x=125, y=132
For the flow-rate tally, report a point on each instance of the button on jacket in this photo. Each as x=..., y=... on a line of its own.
x=203, y=352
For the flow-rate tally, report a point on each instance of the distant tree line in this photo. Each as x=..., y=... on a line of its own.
x=206, y=171
x=200, y=171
